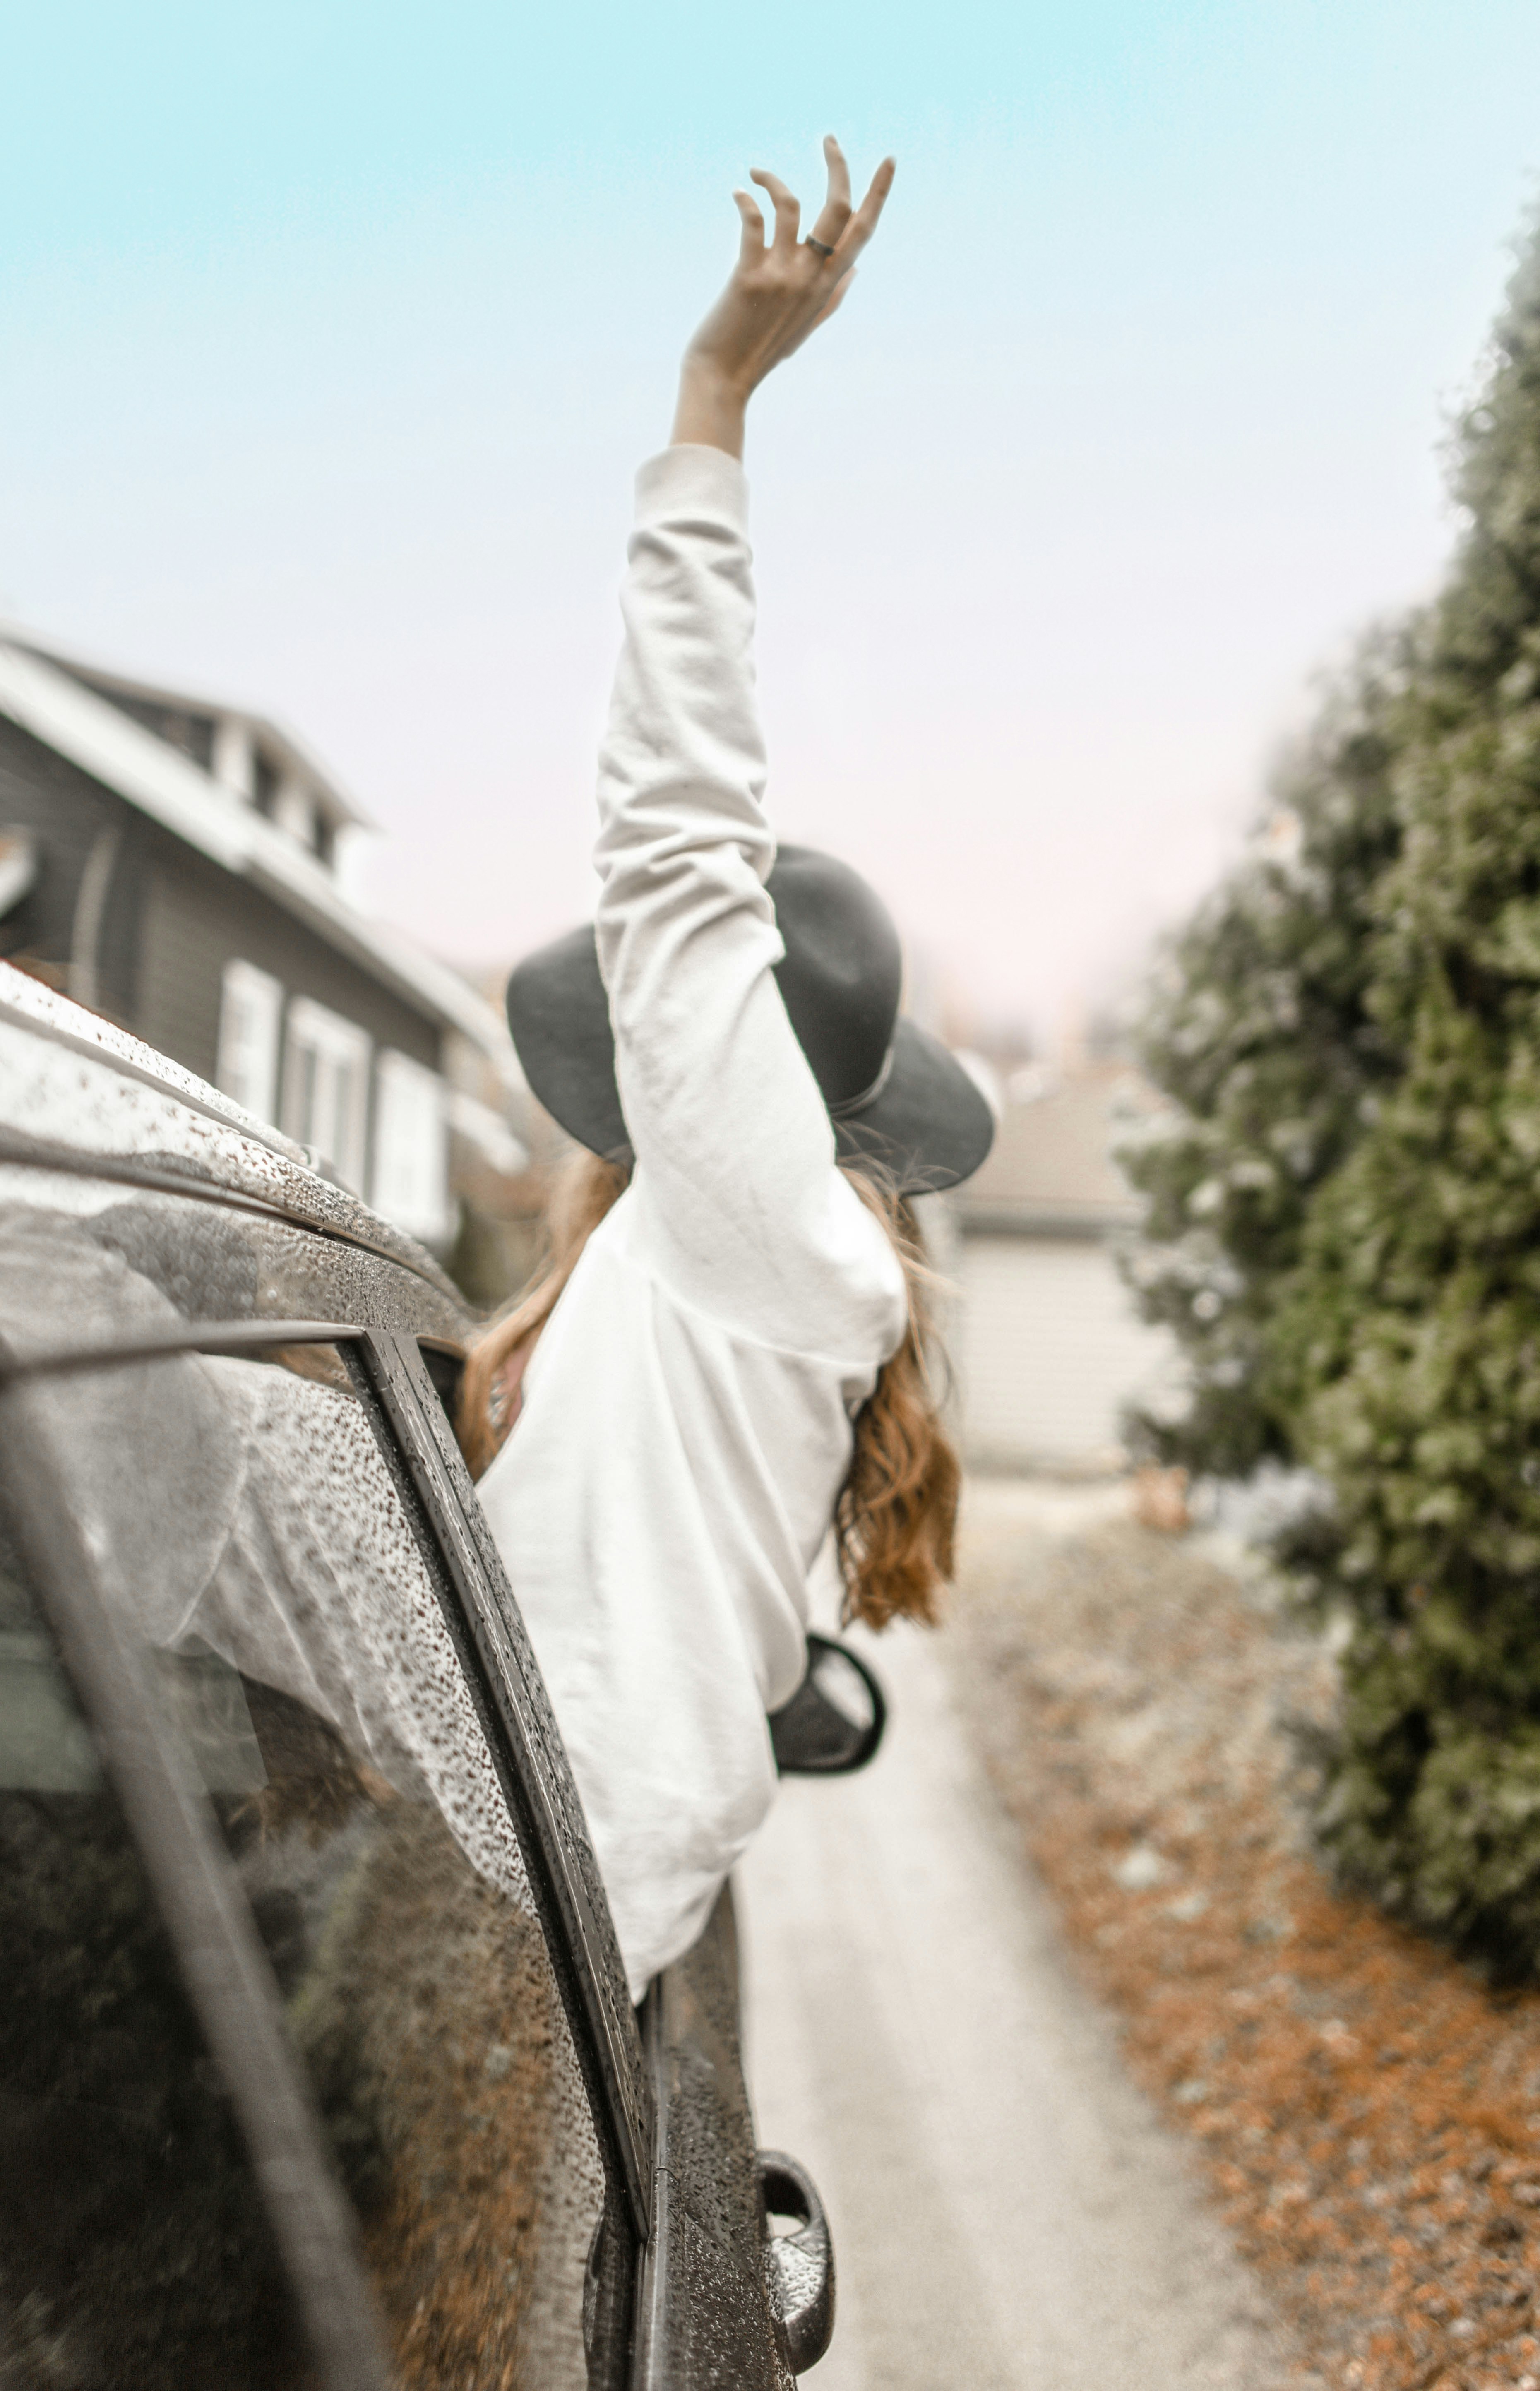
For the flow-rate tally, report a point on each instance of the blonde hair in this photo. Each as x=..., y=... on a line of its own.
x=896, y=1517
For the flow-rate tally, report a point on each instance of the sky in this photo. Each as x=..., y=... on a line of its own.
x=334, y=334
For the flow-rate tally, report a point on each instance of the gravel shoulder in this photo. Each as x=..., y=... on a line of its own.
x=1365, y=2110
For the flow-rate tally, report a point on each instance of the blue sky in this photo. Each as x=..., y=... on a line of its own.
x=334, y=334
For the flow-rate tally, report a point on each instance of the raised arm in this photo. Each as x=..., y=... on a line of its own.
x=735, y=1151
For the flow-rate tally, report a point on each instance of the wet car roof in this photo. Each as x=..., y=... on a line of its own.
x=80, y=1094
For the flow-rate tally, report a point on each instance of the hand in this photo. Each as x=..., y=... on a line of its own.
x=780, y=292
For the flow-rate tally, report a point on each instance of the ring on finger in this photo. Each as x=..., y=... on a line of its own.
x=819, y=248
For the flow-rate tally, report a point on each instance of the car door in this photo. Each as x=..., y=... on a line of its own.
x=245, y=1565
x=319, y=1890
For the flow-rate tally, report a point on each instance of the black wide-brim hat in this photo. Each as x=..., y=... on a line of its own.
x=898, y=1101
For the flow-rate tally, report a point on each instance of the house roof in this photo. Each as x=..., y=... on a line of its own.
x=1051, y=1170
x=47, y=700
x=281, y=746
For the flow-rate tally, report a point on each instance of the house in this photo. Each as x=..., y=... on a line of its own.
x=171, y=861
x=1047, y=1345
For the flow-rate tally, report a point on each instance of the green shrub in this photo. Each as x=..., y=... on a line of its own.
x=1384, y=1299
x=1259, y=1028
x=1405, y=1350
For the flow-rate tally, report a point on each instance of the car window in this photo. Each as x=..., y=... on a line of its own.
x=391, y=1895
x=264, y=1556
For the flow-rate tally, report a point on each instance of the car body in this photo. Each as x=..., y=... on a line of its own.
x=317, y=2060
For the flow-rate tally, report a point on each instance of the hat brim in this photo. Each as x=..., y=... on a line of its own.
x=926, y=1129
x=929, y=1126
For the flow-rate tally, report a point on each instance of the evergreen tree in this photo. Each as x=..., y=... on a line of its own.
x=1402, y=1353
x=1259, y=1028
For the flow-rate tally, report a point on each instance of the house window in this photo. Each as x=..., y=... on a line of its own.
x=325, y=1087
x=193, y=733
x=265, y=783
x=250, y=1010
x=410, y=1182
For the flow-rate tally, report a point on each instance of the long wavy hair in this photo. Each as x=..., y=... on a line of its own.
x=896, y=1517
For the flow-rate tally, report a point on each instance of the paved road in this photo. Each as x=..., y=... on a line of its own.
x=1006, y=2210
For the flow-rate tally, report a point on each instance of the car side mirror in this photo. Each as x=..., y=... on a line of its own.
x=799, y=2264
x=834, y=1721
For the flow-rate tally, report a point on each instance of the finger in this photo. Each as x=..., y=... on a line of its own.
x=864, y=224
x=788, y=208
x=835, y=214
x=753, y=244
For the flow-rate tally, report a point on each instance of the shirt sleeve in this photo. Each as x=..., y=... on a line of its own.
x=737, y=1192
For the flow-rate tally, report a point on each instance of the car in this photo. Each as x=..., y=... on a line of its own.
x=319, y=2061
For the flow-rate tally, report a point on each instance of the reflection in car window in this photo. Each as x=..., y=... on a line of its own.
x=262, y=1552
x=421, y=2003
x=134, y=2250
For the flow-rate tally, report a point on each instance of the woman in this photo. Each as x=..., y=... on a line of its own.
x=728, y=1347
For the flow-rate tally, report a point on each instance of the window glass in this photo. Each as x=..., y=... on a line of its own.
x=134, y=2250
x=251, y=1014
x=265, y=782
x=326, y=1086
x=268, y=1555
x=410, y=1178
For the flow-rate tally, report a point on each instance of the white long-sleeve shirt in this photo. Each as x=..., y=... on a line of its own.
x=687, y=1412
